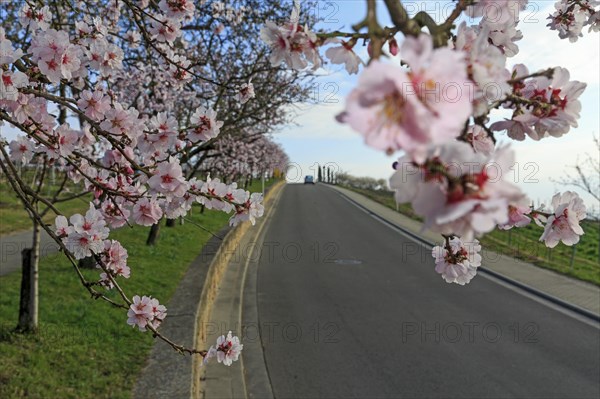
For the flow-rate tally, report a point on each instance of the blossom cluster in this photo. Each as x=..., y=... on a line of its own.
x=79, y=87
x=571, y=16
x=227, y=350
x=457, y=261
x=146, y=311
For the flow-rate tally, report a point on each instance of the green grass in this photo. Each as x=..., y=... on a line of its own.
x=14, y=218
x=523, y=243
x=84, y=348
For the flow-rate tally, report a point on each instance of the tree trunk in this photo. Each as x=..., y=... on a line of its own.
x=87, y=263
x=171, y=222
x=154, y=233
x=28, y=305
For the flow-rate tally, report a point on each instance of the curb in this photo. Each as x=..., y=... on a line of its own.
x=527, y=288
x=209, y=292
x=168, y=374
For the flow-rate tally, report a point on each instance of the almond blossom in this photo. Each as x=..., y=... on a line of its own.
x=8, y=54
x=563, y=223
x=456, y=261
x=35, y=18
x=459, y=191
x=10, y=82
x=344, y=54
x=204, y=125
x=290, y=43
x=480, y=140
x=177, y=9
x=228, y=349
x=168, y=179
x=245, y=93
x=21, y=150
x=114, y=258
x=517, y=215
x=551, y=107
x=486, y=65
x=571, y=16
x=146, y=212
x=95, y=104
x=86, y=234
x=140, y=312
x=251, y=210
x=395, y=109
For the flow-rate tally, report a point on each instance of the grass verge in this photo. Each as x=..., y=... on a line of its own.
x=84, y=348
x=14, y=218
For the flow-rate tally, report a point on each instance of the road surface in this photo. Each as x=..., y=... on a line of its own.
x=349, y=307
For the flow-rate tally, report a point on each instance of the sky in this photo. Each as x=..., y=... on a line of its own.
x=316, y=137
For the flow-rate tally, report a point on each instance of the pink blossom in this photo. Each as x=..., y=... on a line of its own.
x=456, y=261
x=570, y=18
x=95, y=104
x=159, y=312
x=62, y=227
x=245, y=93
x=35, y=18
x=66, y=139
x=112, y=59
x=115, y=258
x=177, y=9
x=146, y=212
x=480, y=140
x=87, y=234
x=70, y=61
x=393, y=46
x=503, y=35
x=8, y=54
x=168, y=179
x=21, y=150
x=204, y=125
x=291, y=43
x=397, y=110
x=140, y=312
x=165, y=30
x=251, y=210
x=459, y=191
x=115, y=215
x=10, y=81
x=117, y=120
x=563, y=224
x=517, y=215
x=486, y=65
x=228, y=349
x=553, y=111
x=344, y=54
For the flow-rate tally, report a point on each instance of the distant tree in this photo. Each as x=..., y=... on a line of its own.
x=319, y=174
x=587, y=172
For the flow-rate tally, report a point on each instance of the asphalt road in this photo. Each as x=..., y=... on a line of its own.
x=348, y=308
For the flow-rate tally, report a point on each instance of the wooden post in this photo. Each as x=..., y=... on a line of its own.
x=573, y=256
